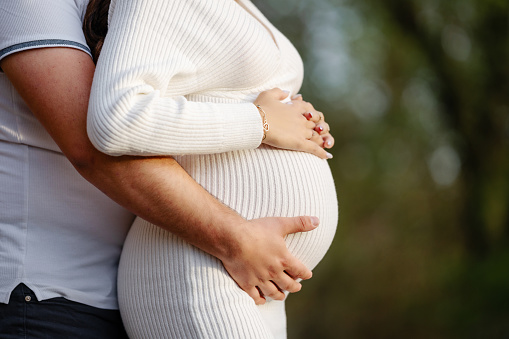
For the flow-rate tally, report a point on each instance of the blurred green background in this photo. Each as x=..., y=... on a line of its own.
x=417, y=96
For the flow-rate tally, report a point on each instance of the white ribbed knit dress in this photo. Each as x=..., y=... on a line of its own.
x=179, y=78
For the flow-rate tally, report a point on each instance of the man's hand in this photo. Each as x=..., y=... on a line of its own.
x=261, y=264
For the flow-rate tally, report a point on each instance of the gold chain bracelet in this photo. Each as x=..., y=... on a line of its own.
x=264, y=121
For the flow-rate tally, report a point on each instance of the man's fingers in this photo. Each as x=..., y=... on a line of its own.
x=298, y=270
x=288, y=283
x=255, y=293
x=298, y=224
x=269, y=289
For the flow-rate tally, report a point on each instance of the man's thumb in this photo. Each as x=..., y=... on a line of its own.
x=302, y=224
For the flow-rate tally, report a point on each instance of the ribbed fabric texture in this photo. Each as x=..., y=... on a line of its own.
x=169, y=289
x=159, y=52
x=178, y=77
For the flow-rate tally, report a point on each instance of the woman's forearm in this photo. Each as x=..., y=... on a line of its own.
x=139, y=104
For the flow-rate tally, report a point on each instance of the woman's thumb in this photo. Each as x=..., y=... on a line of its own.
x=278, y=94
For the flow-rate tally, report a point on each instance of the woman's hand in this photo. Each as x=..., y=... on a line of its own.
x=294, y=125
x=262, y=265
x=322, y=136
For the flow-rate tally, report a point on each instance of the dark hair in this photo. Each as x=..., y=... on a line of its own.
x=95, y=25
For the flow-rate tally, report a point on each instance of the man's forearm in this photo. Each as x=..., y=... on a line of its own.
x=160, y=191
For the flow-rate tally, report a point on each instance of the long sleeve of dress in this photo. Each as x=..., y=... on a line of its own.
x=156, y=55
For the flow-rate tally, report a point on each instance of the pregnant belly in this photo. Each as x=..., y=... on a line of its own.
x=268, y=182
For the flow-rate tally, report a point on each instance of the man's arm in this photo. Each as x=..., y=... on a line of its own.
x=56, y=82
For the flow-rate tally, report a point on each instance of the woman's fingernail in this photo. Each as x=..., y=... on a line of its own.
x=319, y=129
x=309, y=115
x=315, y=221
x=287, y=92
x=328, y=143
x=329, y=156
x=296, y=96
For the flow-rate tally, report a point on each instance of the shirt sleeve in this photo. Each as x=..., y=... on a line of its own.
x=29, y=24
x=154, y=58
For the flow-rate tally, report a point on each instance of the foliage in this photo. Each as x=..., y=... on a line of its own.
x=417, y=95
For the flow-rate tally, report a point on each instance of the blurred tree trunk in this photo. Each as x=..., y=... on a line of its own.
x=473, y=116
